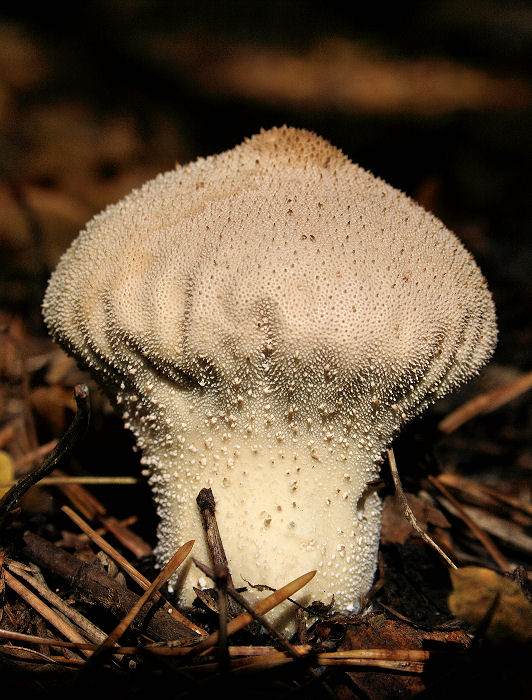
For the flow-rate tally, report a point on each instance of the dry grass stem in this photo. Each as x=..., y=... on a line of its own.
x=139, y=578
x=81, y=499
x=35, y=454
x=92, y=509
x=279, y=658
x=491, y=525
x=261, y=650
x=127, y=538
x=93, y=633
x=408, y=513
x=47, y=613
x=238, y=623
x=489, y=495
x=262, y=657
x=163, y=576
x=23, y=653
x=90, y=480
x=392, y=665
x=62, y=644
x=480, y=534
x=485, y=403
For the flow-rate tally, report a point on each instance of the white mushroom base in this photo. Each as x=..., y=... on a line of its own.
x=280, y=512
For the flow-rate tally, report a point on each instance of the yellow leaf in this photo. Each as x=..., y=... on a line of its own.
x=7, y=472
x=476, y=590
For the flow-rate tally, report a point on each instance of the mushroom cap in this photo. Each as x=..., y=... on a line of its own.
x=279, y=261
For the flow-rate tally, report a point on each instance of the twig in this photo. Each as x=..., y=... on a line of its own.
x=91, y=581
x=125, y=536
x=93, y=633
x=501, y=528
x=36, y=603
x=207, y=507
x=292, y=652
x=482, y=536
x=487, y=493
x=45, y=641
x=64, y=446
x=263, y=606
x=163, y=576
x=279, y=659
x=92, y=509
x=253, y=611
x=139, y=578
x=37, y=453
x=91, y=480
x=366, y=657
x=409, y=514
x=221, y=581
x=23, y=653
x=275, y=658
x=485, y=403
x=82, y=500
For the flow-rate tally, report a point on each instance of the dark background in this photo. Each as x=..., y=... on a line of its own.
x=434, y=97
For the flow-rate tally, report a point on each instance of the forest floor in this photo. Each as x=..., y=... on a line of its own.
x=121, y=97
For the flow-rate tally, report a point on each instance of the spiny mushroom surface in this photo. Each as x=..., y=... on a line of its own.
x=267, y=320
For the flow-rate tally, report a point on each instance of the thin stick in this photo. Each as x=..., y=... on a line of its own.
x=221, y=580
x=64, y=446
x=127, y=538
x=82, y=500
x=52, y=617
x=409, y=514
x=400, y=665
x=94, y=583
x=485, y=403
x=45, y=641
x=462, y=483
x=279, y=658
x=207, y=507
x=238, y=623
x=37, y=453
x=292, y=652
x=91, y=480
x=269, y=661
x=93, y=633
x=16, y=652
x=259, y=617
x=252, y=652
x=163, y=576
x=139, y=578
x=480, y=534
x=261, y=650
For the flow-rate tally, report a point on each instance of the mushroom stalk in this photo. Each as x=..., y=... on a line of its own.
x=290, y=498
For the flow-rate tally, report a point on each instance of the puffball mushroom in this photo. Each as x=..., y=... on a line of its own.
x=266, y=320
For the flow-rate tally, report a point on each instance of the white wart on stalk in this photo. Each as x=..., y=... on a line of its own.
x=267, y=320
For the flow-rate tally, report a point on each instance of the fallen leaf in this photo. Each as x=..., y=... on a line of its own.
x=479, y=593
x=395, y=526
x=374, y=632
x=7, y=472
